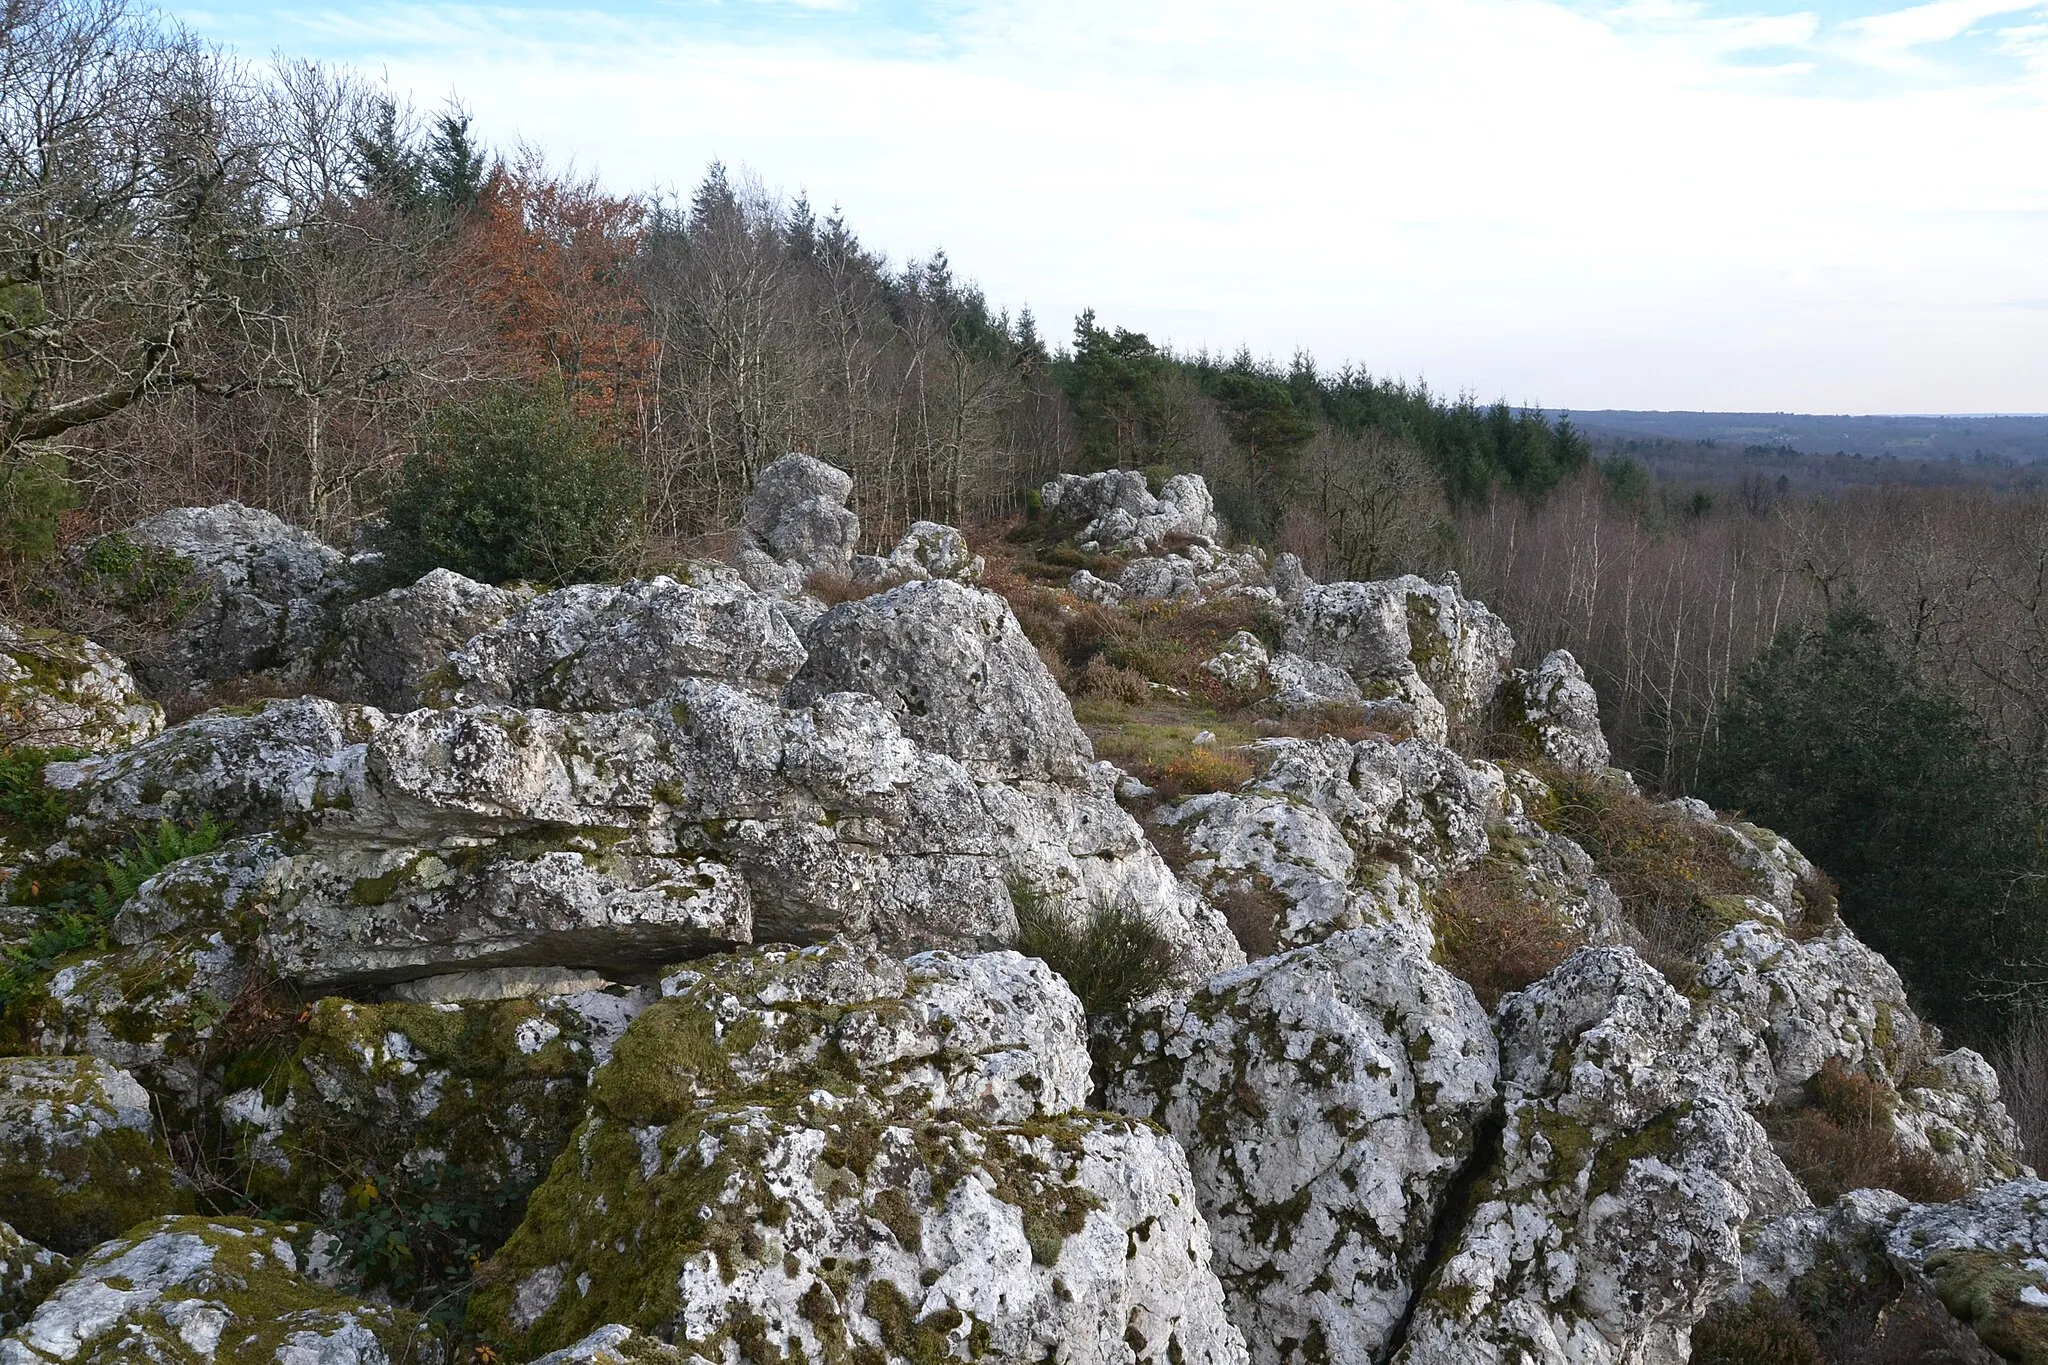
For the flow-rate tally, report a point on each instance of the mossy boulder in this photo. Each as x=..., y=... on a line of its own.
x=440, y=1118
x=62, y=691
x=215, y=1291
x=828, y=1155
x=80, y=1155
x=617, y=1344
x=28, y=1272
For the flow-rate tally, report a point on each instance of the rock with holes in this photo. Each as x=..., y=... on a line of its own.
x=62, y=691
x=1118, y=514
x=454, y=1108
x=611, y=647
x=388, y=646
x=954, y=668
x=179, y=955
x=197, y=595
x=1554, y=709
x=834, y=1154
x=215, y=1291
x=930, y=550
x=80, y=1155
x=1612, y=1215
x=28, y=1272
x=249, y=769
x=1241, y=664
x=797, y=515
x=1327, y=1099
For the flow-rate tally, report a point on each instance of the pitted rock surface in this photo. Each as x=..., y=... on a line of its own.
x=794, y=1150
x=1343, y=1083
x=1118, y=514
x=798, y=516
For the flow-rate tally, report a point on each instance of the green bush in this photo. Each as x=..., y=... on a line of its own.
x=514, y=486
x=1111, y=957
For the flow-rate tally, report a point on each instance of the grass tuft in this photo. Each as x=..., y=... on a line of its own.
x=1110, y=957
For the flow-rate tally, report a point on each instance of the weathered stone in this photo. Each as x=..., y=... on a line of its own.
x=1117, y=513
x=1987, y=1258
x=499, y=983
x=65, y=692
x=1611, y=1216
x=603, y=647
x=954, y=668
x=28, y=1273
x=1089, y=588
x=830, y=1152
x=182, y=951
x=617, y=1344
x=1289, y=580
x=210, y=593
x=1559, y=715
x=249, y=769
x=387, y=646
x=1327, y=1098
x=929, y=550
x=1241, y=664
x=798, y=511
x=213, y=1291
x=1384, y=632
x=80, y=1157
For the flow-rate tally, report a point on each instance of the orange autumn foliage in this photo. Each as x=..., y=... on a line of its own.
x=549, y=261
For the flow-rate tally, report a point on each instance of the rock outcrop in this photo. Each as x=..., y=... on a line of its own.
x=835, y=1154
x=1327, y=1098
x=638, y=957
x=214, y=1291
x=80, y=1155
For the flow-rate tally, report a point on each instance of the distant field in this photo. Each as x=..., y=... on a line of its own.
x=2023, y=439
x=1814, y=453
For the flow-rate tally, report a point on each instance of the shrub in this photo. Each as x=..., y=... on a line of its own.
x=1204, y=769
x=1494, y=935
x=512, y=487
x=832, y=589
x=30, y=813
x=1843, y=1140
x=1101, y=678
x=1110, y=957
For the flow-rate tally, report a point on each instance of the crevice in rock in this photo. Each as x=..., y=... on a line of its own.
x=1452, y=1214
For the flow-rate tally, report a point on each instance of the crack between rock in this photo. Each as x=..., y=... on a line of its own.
x=1451, y=1215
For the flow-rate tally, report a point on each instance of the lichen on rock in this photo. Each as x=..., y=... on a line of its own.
x=80, y=1154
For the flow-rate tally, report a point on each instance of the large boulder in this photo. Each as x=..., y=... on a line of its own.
x=215, y=1291
x=606, y=647
x=1327, y=1099
x=1612, y=1214
x=80, y=1155
x=1402, y=639
x=64, y=692
x=388, y=646
x=198, y=595
x=797, y=515
x=250, y=769
x=1552, y=709
x=1986, y=1258
x=955, y=669
x=830, y=1154
x=1116, y=512
x=931, y=550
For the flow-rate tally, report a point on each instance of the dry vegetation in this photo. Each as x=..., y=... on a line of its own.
x=1842, y=1138
x=1494, y=935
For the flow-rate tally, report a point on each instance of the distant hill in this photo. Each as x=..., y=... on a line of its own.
x=2022, y=439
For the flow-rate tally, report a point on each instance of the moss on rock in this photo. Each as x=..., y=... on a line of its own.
x=80, y=1156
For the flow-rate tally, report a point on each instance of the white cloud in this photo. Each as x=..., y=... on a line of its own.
x=1595, y=206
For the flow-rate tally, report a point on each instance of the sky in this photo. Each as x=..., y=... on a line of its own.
x=1830, y=207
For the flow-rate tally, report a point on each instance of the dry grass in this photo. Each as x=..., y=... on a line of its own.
x=1667, y=869
x=833, y=590
x=1101, y=678
x=240, y=691
x=1820, y=903
x=1110, y=957
x=1494, y=935
x=1255, y=915
x=1204, y=769
x=1842, y=1139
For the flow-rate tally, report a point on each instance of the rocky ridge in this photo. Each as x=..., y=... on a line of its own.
x=649, y=946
